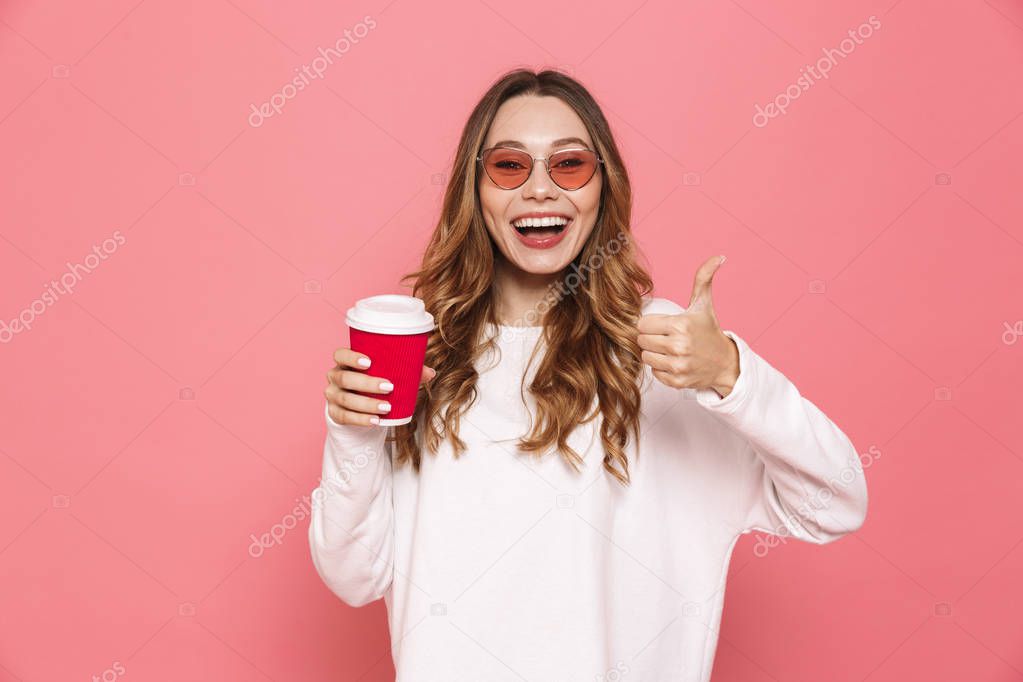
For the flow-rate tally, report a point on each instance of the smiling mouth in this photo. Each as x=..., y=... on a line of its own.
x=538, y=230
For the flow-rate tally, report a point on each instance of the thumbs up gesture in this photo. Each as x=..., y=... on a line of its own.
x=689, y=350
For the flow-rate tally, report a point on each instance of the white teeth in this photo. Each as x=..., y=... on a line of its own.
x=540, y=222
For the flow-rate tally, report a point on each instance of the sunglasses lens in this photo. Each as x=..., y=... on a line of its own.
x=508, y=168
x=573, y=168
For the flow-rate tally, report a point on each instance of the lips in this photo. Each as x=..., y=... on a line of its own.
x=542, y=224
x=541, y=214
x=545, y=239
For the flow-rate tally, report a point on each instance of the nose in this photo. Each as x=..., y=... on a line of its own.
x=539, y=183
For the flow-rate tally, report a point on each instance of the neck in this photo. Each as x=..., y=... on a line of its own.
x=518, y=294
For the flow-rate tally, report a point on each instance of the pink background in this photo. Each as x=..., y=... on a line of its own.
x=171, y=406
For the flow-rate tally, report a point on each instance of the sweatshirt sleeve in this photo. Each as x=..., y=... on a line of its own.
x=801, y=475
x=351, y=531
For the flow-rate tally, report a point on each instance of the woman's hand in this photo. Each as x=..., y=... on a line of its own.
x=346, y=407
x=689, y=350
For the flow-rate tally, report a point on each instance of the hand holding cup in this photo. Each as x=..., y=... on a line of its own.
x=394, y=329
x=344, y=404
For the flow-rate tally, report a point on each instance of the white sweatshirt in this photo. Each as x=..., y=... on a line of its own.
x=497, y=567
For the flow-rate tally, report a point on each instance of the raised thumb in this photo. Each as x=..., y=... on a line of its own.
x=701, y=298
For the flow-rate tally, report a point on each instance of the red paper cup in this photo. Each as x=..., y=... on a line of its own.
x=392, y=329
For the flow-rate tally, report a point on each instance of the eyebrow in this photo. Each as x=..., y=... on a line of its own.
x=556, y=143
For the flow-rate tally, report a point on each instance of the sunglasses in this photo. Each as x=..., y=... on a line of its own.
x=509, y=168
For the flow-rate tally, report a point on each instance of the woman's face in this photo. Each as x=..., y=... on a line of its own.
x=535, y=124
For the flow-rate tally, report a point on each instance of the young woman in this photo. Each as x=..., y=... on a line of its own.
x=594, y=452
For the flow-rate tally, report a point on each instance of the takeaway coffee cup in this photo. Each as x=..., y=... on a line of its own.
x=392, y=330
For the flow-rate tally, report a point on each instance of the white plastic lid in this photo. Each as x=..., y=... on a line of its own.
x=390, y=314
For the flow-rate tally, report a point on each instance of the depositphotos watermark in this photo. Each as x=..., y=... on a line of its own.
x=819, y=501
x=115, y=670
x=813, y=73
x=302, y=510
x=614, y=674
x=310, y=72
x=1012, y=333
x=570, y=283
x=62, y=287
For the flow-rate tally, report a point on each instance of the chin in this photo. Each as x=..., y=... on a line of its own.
x=541, y=266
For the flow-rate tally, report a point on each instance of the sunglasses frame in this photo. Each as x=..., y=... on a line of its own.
x=546, y=163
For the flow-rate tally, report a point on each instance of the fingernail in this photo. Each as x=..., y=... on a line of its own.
x=374, y=420
x=386, y=386
x=364, y=362
x=720, y=262
x=385, y=407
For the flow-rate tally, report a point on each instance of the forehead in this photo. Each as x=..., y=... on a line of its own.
x=537, y=124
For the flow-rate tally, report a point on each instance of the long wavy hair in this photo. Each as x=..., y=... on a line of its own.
x=591, y=331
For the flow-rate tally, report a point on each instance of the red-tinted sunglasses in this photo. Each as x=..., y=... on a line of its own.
x=509, y=168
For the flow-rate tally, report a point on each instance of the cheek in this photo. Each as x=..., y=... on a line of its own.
x=492, y=207
x=592, y=199
x=486, y=208
x=590, y=203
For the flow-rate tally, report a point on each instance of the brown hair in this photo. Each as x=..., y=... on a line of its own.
x=591, y=331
